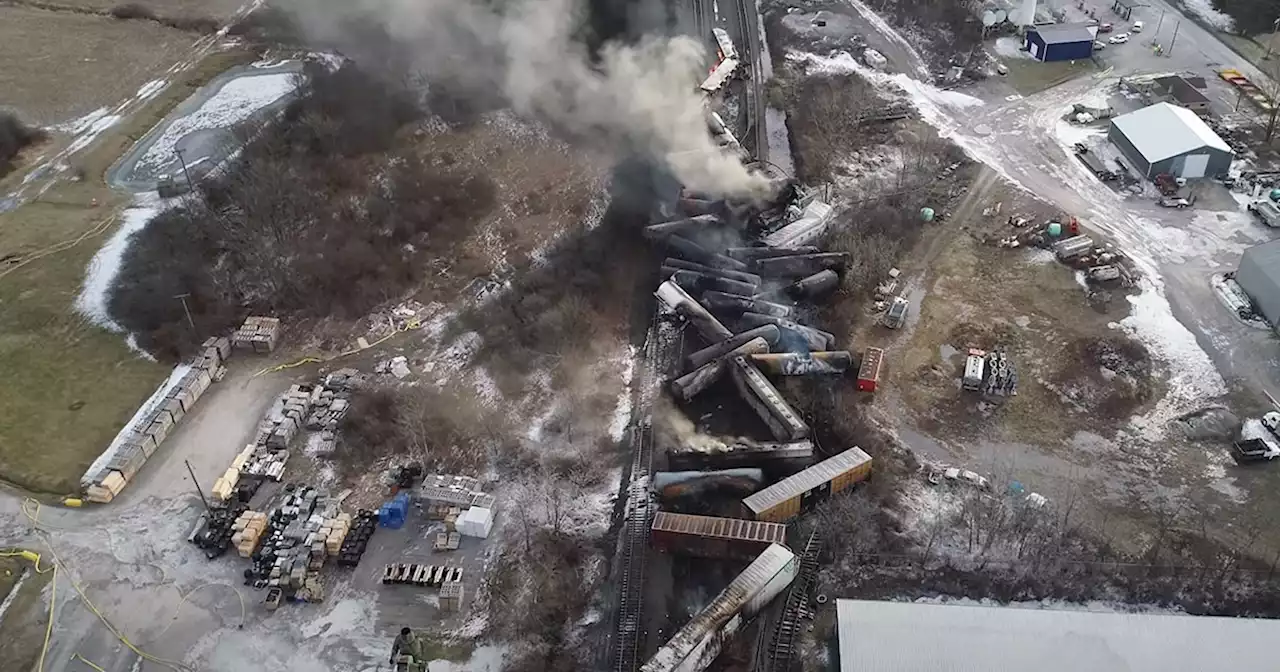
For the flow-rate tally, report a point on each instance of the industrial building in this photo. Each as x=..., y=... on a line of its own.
x=1166, y=138
x=1062, y=42
x=1259, y=277
x=902, y=636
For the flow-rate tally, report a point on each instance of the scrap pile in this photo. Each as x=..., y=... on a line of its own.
x=215, y=529
x=1002, y=377
x=756, y=288
x=447, y=579
x=294, y=545
x=258, y=334
x=1101, y=264
x=109, y=475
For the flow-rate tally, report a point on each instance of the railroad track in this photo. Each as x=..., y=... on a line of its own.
x=782, y=647
x=659, y=348
x=755, y=90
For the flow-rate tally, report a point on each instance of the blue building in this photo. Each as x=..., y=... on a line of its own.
x=1062, y=42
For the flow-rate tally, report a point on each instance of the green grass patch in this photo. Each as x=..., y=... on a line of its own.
x=435, y=648
x=1029, y=77
x=69, y=385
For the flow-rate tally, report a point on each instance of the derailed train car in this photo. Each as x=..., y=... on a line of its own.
x=700, y=640
x=712, y=537
x=799, y=492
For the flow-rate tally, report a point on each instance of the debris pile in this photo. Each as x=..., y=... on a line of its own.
x=1101, y=264
x=756, y=287
x=258, y=334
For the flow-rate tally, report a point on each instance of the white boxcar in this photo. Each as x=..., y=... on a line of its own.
x=699, y=642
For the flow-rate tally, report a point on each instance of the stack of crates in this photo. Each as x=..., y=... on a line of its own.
x=258, y=334
x=335, y=532
x=248, y=528
x=226, y=484
x=451, y=594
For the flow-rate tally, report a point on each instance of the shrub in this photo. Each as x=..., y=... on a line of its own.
x=311, y=220
x=132, y=10
x=14, y=137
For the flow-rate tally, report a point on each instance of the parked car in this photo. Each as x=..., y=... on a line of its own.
x=1137, y=26
x=1176, y=202
x=1119, y=38
x=1098, y=46
x=1105, y=28
x=896, y=315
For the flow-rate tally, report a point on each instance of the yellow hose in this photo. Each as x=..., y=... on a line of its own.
x=88, y=662
x=31, y=509
x=313, y=359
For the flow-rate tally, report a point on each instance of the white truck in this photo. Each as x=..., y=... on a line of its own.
x=1258, y=441
x=1266, y=211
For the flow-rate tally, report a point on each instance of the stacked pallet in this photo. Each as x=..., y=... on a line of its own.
x=248, y=529
x=451, y=596
x=334, y=532
x=139, y=442
x=286, y=416
x=226, y=484
x=258, y=334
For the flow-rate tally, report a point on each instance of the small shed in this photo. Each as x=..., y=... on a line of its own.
x=1259, y=277
x=1184, y=91
x=1166, y=138
x=1062, y=42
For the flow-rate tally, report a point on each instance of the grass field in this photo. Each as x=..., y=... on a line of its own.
x=70, y=385
x=62, y=65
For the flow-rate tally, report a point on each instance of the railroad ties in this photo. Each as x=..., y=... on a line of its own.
x=660, y=351
x=783, y=645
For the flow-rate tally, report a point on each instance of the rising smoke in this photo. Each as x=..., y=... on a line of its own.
x=635, y=98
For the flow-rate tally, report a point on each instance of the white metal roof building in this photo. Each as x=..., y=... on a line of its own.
x=1259, y=277
x=1166, y=138
x=912, y=636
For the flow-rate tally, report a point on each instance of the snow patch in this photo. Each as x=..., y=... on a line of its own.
x=150, y=89
x=105, y=266
x=89, y=133
x=1011, y=47
x=1205, y=11
x=1193, y=378
x=234, y=102
x=81, y=124
x=622, y=412
x=329, y=60
x=890, y=34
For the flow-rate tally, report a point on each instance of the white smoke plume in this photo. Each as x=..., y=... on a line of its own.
x=637, y=97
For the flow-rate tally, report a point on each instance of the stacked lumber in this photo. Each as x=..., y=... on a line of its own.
x=226, y=484
x=140, y=441
x=258, y=334
x=248, y=529
x=334, y=531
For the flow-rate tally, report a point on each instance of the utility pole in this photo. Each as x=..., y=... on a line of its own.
x=1275, y=25
x=1175, y=36
x=1158, y=24
x=197, y=484
x=185, y=309
x=182, y=160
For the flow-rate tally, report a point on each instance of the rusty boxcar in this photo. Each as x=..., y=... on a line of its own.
x=711, y=537
x=794, y=494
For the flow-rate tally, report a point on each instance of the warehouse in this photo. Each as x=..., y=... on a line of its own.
x=1259, y=277
x=794, y=494
x=711, y=537
x=1166, y=138
x=887, y=637
x=1066, y=42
